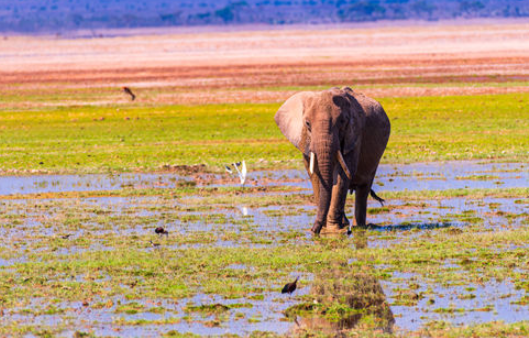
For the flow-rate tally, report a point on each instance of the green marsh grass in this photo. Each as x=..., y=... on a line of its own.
x=127, y=138
x=120, y=272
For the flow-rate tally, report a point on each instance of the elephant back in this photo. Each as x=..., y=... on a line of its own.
x=375, y=138
x=377, y=120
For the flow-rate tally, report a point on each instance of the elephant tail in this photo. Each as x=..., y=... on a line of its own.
x=371, y=192
x=375, y=196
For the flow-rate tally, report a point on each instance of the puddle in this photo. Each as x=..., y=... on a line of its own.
x=452, y=175
x=141, y=215
x=10, y=185
x=118, y=317
x=459, y=305
x=419, y=176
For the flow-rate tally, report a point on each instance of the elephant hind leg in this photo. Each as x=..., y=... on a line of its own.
x=361, y=194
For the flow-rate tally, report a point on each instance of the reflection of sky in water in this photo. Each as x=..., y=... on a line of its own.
x=102, y=321
x=497, y=295
x=419, y=176
x=267, y=222
x=451, y=175
x=63, y=183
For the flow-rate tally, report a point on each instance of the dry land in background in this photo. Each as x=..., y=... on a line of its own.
x=267, y=66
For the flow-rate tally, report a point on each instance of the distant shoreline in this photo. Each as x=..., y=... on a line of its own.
x=176, y=30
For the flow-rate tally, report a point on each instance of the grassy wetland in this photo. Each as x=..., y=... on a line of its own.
x=128, y=138
x=86, y=177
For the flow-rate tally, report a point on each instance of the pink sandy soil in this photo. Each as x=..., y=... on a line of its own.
x=248, y=65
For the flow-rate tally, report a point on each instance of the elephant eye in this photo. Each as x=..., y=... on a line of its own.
x=307, y=123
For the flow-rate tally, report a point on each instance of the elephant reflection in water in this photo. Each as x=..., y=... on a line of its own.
x=356, y=299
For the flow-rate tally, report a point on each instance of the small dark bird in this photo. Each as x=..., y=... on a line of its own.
x=228, y=169
x=66, y=236
x=128, y=91
x=290, y=287
x=161, y=231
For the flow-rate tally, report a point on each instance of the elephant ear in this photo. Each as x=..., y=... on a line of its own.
x=289, y=119
x=356, y=122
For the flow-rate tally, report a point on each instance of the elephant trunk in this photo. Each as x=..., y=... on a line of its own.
x=325, y=153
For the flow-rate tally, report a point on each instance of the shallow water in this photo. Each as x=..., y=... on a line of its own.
x=10, y=185
x=26, y=224
x=418, y=176
x=452, y=175
x=493, y=302
x=103, y=321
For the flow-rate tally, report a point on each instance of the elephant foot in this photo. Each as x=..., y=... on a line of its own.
x=316, y=228
x=335, y=227
x=331, y=226
x=341, y=223
x=330, y=231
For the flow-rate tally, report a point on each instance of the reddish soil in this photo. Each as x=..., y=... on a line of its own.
x=248, y=66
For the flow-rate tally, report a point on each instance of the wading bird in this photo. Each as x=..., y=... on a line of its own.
x=128, y=91
x=242, y=173
x=290, y=287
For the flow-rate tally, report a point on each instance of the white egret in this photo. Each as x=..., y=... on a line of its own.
x=242, y=173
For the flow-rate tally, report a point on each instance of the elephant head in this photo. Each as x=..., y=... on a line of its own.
x=327, y=128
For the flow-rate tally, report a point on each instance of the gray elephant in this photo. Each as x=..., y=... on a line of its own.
x=342, y=135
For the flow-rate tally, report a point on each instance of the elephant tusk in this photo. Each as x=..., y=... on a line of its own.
x=339, y=156
x=312, y=157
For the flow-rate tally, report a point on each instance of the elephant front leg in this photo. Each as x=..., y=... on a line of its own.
x=315, y=181
x=336, y=218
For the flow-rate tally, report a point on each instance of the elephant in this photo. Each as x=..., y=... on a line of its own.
x=342, y=135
